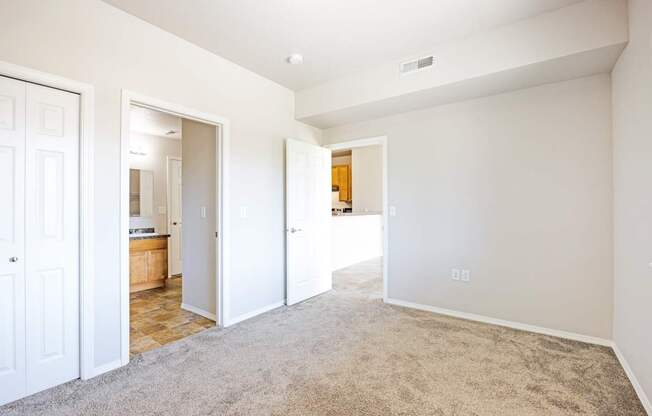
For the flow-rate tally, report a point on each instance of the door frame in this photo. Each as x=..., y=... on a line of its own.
x=86, y=92
x=167, y=198
x=375, y=141
x=222, y=257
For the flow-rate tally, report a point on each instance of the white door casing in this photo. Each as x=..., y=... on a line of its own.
x=175, y=225
x=39, y=238
x=308, y=221
x=12, y=240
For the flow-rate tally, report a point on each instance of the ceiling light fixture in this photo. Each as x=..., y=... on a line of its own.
x=137, y=151
x=295, y=59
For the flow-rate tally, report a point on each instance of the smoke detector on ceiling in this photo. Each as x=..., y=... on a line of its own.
x=294, y=59
x=416, y=65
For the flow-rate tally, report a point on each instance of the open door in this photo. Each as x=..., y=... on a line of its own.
x=308, y=220
x=175, y=262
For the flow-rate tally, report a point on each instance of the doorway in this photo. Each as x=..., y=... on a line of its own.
x=173, y=259
x=168, y=301
x=357, y=206
x=318, y=185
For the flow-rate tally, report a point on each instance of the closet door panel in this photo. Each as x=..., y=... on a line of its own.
x=12, y=240
x=52, y=235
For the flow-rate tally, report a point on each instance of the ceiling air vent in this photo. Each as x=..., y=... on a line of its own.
x=417, y=64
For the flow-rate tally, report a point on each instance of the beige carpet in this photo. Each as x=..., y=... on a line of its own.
x=346, y=353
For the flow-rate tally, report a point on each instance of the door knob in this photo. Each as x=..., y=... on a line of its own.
x=174, y=223
x=295, y=230
x=13, y=259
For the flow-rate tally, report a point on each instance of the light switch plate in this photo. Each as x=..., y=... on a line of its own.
x=392, y=211
x=455, y=274
x=466, y=275
x=202, y=212
x=243, y=212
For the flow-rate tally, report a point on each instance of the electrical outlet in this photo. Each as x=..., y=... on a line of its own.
x=455, y=274
x=466, y=275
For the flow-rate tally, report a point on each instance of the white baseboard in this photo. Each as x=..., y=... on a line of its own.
x=198, y=311
x=510, y=324
x=251, y=314
x=105, y=368
x=645, y=401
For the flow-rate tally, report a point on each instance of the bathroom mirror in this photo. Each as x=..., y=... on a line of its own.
x=141, y=193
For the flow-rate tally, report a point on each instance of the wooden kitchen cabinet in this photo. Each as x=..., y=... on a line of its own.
x=341, y=176
x=148, y=263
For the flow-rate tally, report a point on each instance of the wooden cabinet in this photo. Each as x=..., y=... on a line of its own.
x=137, y=267
x=148, y=263
x=341, y=176
x=157, y=265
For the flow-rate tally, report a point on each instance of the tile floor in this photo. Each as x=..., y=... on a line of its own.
x=156, y=318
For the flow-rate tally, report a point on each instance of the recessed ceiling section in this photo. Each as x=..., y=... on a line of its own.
x=336, y=37
x=520, y=55
x=557, y=70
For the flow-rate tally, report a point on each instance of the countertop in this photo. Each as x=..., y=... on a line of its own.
x=354, y=214
x=146, y=236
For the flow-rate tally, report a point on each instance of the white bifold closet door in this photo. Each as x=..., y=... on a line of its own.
x=39, y=238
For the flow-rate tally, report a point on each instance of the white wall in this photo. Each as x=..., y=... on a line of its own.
x=632, y=113
x=198, y=236
x=157, y=150
x=515, y=187
x=355, y=238
x=92, y=42
x=367, y=179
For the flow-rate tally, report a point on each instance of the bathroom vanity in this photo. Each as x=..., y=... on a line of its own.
x=148, y=261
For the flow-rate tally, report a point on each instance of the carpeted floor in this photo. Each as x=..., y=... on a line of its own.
x=346, y=353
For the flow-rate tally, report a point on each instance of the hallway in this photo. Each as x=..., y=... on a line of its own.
x=362, y=279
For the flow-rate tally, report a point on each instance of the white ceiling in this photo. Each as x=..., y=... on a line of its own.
x=335, y=36
x=155, y=123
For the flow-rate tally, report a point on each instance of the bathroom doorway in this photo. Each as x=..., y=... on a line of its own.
x=172, y=262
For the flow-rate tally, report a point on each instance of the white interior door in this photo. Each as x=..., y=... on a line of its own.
x=51, y=237
x=175, y=265
x=308, y=221
x=12, y=240
x=39, y=238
